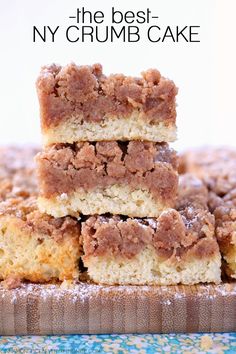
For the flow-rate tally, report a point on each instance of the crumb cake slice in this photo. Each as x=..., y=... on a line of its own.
x=129, y=178
x=216, y=166
x=178, y=247
x=80, y=103
x=33, y=246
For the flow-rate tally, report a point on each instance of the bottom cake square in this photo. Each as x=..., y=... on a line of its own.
x=179, y=247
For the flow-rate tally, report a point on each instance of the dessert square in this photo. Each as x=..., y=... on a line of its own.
x=178, y=247
x=80, y=103
x=217, y=168
x=131, y=178
x=33, y=246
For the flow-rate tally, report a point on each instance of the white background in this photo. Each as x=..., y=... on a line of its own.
x=205, y=72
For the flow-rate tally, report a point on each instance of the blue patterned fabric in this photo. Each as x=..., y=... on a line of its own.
x=141, y=344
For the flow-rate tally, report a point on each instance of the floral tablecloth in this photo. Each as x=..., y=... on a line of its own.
x=150, y=343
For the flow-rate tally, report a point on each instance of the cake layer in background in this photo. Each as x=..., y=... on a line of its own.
x=33, y=246
x=178, y=247
x=131, y=178
x=80, y=103
x=216, y=166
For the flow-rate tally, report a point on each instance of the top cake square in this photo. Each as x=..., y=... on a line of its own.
x=80, y=103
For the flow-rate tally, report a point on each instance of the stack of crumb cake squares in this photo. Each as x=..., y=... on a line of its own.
x=108, y=193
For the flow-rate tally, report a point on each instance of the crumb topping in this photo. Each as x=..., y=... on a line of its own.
x=84, y=91
x=63, y=168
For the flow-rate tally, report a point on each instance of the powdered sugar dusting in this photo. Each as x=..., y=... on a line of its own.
x=81, y=292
